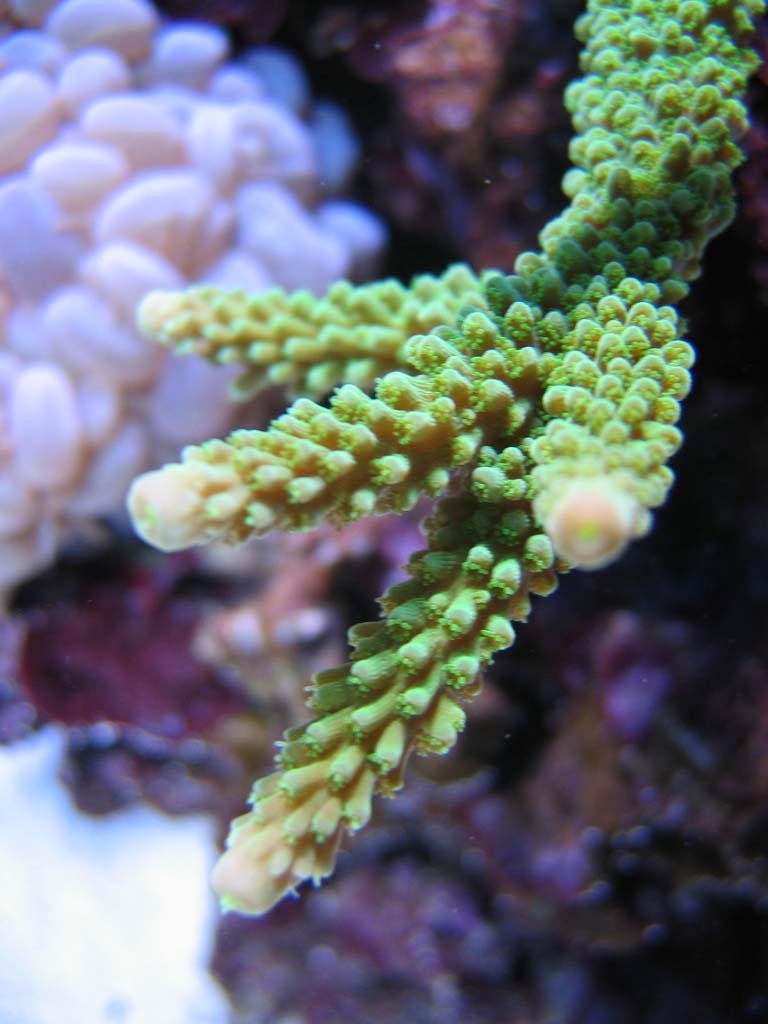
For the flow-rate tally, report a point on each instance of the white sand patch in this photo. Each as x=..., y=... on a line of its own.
x=104, y=919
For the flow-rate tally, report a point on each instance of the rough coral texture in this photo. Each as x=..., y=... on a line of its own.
x=135, y=155
x=351, y=335
x=542, y=417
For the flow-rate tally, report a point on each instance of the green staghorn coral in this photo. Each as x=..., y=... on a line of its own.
x=538, y=408
x=351, y=335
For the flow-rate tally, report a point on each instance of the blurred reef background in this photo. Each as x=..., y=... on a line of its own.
x=596, y=849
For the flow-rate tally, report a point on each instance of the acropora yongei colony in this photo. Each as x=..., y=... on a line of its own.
x=539, y=409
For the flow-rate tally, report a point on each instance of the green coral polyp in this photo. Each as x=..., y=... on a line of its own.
x=539, y=405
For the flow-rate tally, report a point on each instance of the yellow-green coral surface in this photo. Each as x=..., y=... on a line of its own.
x=538, y=408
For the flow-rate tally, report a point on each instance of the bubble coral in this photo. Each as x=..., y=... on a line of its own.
x=541, y=415
x=136, y=155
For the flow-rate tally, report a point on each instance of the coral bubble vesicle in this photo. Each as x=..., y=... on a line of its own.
x=136, y=155
x=539, y=408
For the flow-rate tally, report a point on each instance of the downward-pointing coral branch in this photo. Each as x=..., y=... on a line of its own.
x=403, y=690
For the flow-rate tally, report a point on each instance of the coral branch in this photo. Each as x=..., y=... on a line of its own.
x=403, y=690
x=359, y=457
x=352, y=335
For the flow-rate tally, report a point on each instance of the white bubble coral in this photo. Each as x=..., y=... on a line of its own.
x=133, y=156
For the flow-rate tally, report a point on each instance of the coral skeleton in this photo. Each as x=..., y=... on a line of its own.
x=135, y=154
x=539, y=409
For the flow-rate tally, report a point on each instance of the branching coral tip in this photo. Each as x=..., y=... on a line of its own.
x=539, y=409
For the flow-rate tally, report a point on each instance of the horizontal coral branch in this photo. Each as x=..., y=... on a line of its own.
x=361, y=456
x=351, y=335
